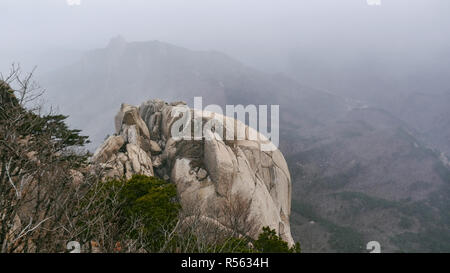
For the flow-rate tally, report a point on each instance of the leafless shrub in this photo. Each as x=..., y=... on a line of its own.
x=50, y=196
x=235, y=210
x=35, y=179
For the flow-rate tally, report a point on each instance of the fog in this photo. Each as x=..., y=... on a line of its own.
x=349, y=48
x=262, y=33
x=363, y=90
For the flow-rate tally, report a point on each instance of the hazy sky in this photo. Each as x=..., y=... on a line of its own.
x=343, y=46
x=255, y=31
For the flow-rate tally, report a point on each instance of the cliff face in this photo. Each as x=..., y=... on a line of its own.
x=207, y=170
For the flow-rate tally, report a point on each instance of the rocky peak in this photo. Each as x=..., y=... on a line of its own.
x=206, y=170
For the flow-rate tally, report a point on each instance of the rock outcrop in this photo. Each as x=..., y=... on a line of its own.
x=205, y=169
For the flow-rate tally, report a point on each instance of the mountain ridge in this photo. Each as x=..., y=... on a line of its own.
x=346, y=146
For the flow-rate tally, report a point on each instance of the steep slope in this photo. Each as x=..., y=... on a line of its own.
x=367, y=178
x=428, y=113
x=344, y=156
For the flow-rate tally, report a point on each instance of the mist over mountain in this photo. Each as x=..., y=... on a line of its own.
x=359, y=173
x=413, y=84
x=363, y=90
x=96, y=83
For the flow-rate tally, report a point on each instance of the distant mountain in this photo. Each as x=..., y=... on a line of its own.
x=131, y=72
x=428, y=113
x=412, y=86
x=359, y=173
x=366, y=177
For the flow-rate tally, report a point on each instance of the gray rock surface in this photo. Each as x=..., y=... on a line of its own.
x=206, y=171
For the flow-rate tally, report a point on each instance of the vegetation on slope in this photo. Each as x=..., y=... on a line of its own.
x=50, y=195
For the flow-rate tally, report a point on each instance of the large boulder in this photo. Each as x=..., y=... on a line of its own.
x=109, y=148
x=208, y=171
x=127, y=152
